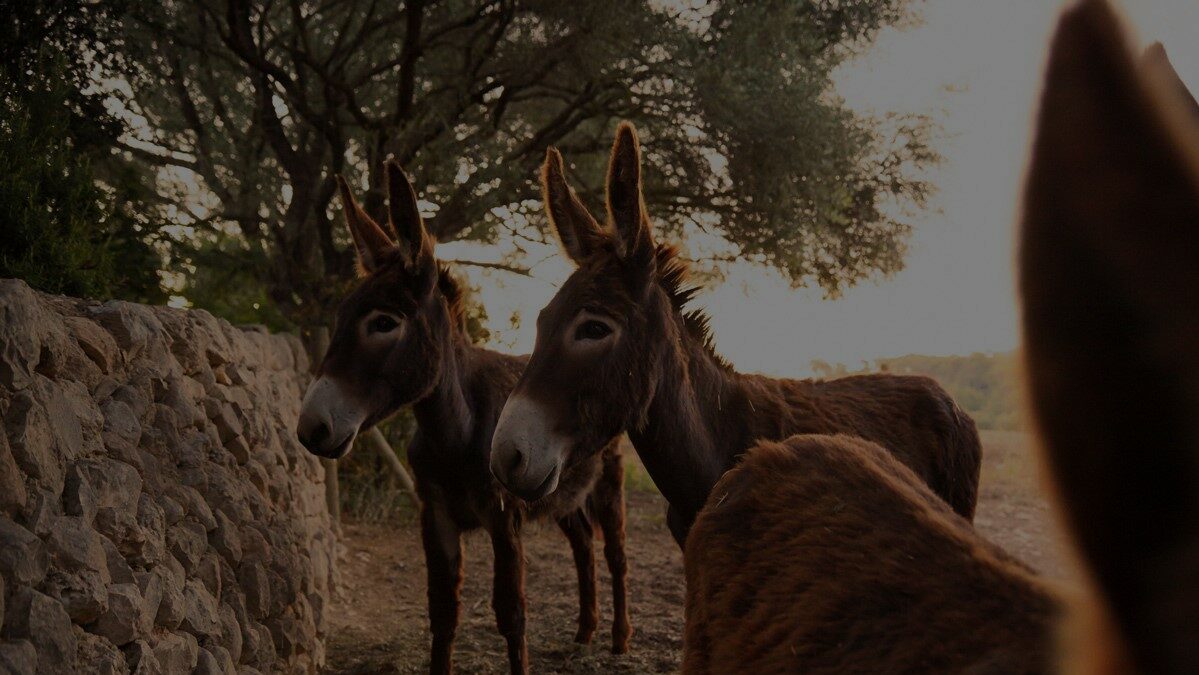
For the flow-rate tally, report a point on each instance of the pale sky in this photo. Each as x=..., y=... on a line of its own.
x=975, y=65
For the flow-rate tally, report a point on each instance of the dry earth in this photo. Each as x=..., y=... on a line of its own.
x=379, y=624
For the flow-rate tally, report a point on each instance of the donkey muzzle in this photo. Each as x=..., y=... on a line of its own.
x=527, y=455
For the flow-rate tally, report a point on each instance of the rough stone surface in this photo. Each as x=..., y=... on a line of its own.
x=23, y=557
x=156, y=513
x=126, y=618
x=17, y=657
x=41, y=620
x=98, y=656
x=12, y=485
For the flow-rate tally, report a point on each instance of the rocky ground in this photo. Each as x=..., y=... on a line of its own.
x=378, y=625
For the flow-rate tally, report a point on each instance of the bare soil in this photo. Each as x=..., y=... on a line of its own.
x=378, y=625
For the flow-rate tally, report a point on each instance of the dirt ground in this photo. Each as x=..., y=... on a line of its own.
x=378, y=625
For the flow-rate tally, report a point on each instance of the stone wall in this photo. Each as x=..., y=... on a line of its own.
x=156, y=512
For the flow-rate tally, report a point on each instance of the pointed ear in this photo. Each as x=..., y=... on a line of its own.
x=1109, y=276
x=626, y=208
x=370, y=242
x=404, y=213
x=577, y=229
x=1156, y=64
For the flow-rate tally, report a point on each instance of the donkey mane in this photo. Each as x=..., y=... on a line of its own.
x=673, y=273
x=455, y=297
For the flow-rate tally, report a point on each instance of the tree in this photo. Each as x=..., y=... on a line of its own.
x=68, y=207
x=258, y=104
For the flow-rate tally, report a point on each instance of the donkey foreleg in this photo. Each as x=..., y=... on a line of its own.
x=581, y=534
x=610, y=511
x=508, y=588
x=442, y=540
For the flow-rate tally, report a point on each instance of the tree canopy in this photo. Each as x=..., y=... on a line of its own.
x=248, y=108
x=70, y=209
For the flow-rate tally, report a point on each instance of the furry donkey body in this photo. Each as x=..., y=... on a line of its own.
x=804, y=561
x=617, y=351
x=400, y=339
x=823, y=555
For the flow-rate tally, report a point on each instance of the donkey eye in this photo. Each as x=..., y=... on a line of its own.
x=592, y=330
x=382, y=324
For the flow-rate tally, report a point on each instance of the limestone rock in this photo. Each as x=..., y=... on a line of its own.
x=23, y=557
x=127, y=617
x=12, y=487
x=141, y=659
x=32, y=441
x=187, y=542
x=42, y=621
x=156, y=512
x=82, y=593
x=200, y=616
x=177, y=652
x=98, y=656
x=17, y=657
x=95, y=342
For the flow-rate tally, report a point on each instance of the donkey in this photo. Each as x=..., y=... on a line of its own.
x=400, y=338
x=618, y=351
x=822, y=554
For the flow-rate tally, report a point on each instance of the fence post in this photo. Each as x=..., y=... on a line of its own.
x=375, y=438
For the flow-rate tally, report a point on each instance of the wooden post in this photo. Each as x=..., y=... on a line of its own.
x=375, y=439
x=320, y=345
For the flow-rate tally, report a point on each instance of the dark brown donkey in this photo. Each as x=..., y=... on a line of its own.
x=617, y=351
x=824, y=555
x=400, y=339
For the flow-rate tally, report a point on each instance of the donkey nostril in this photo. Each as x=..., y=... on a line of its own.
x=315, y=436
x=516, y=462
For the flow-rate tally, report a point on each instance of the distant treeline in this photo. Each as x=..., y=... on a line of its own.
x=985, y=385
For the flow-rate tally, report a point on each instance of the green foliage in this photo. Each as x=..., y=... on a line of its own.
x=254, y=106
x=984, y=385
x=71, y=222
x=369, y=489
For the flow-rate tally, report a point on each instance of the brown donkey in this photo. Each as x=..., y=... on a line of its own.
x=824, y=555
x=400, y=339
x=617, y=351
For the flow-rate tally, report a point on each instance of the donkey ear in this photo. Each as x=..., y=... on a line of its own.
x=626, y=208
x=370, y=241
x=404, y=213
x=578, y=230
x=1156, y=64
x=1109, y=275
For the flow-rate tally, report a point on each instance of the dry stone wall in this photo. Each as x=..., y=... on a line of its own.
x=156, y=512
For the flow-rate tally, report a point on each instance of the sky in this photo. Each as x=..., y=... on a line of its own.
x=975, y=66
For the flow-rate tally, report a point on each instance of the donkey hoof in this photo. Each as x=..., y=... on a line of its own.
x=584, y=635
x=620, y=642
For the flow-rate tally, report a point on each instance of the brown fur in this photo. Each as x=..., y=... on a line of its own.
x=822, y=554
x=820, y=573
x=457, y=390
x=688, y=413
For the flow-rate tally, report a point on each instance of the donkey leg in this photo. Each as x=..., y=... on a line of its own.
x=508, y=588
x=581, y=533
x=609, y=501
x=442, y=542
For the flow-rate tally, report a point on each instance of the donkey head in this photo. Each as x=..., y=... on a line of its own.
x=390, y=331
x=1109, y=266
x=595, y=364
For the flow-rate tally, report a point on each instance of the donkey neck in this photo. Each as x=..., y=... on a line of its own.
x=446, y=415
x=690, y=436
